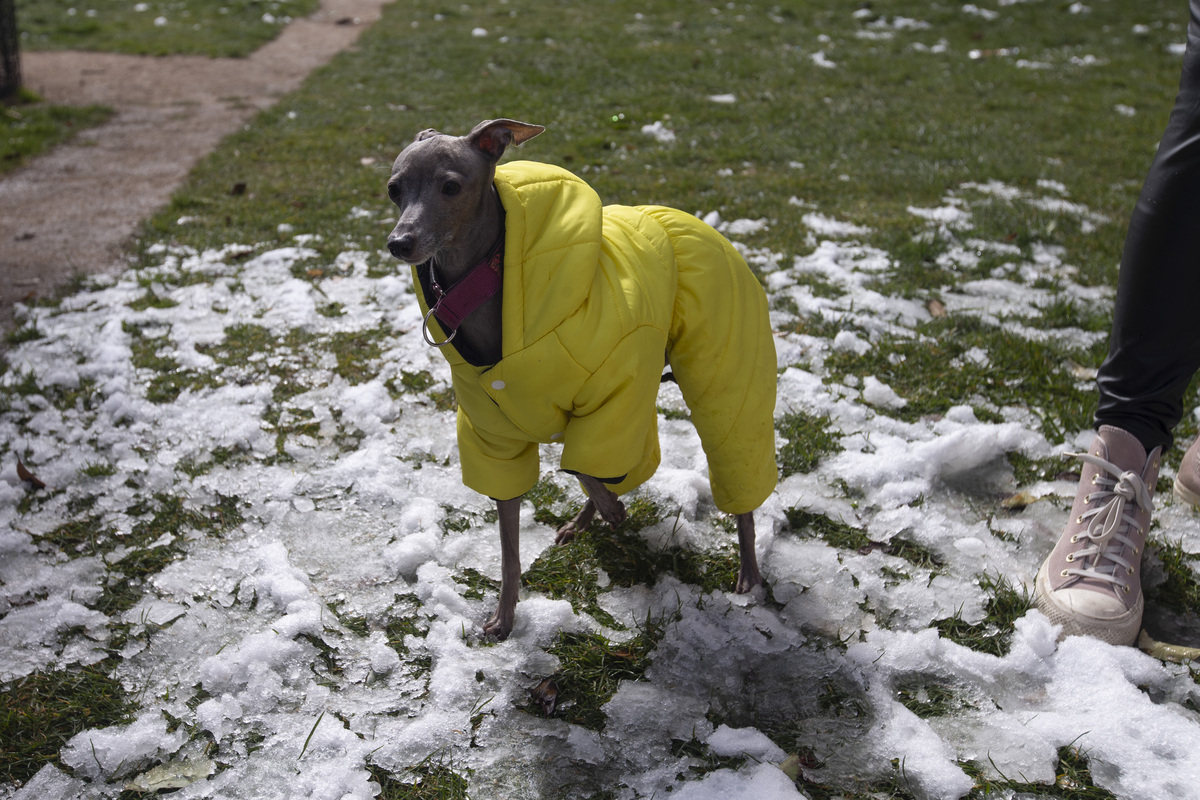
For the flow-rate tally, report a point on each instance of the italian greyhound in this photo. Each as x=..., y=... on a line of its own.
x=450, y=219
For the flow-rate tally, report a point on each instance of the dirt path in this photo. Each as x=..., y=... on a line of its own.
x=73, y=209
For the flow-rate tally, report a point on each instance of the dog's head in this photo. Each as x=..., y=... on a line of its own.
x=440, y=183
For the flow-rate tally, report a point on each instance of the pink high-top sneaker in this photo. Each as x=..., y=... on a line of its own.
x=1091, y=582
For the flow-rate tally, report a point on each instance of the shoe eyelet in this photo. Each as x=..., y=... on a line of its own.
x=1079, y=520
x=1070, y=558
x=1075, y=539
x=1136, y=551
x=1094, y=477
x=1087, y=498
x=1129, y=570
x=1064, y=573
x=1125, y=588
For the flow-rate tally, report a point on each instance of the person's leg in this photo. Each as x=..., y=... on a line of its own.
x=1155, y=346
x=1091, y=583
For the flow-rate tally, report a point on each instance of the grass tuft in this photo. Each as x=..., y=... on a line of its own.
x=433, y=779
x=994, y=634
x=1180, y=590
x=30, y=127
x=41, y=711
x=1072, y=781
x=592, y=668
x=808, y=438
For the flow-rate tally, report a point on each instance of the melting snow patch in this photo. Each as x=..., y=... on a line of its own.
x=660, y=132
x=334, y=627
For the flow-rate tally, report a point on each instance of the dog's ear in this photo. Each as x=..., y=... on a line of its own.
x=428, y=133
x=492, y=136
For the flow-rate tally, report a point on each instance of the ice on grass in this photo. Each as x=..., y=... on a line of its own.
x=219, y=715
x=748, y=742
x=927, y=761
x=33, y=636
x=275, y=580
x=749, y=783
x=117, y=751
x=50, y=781
x=877, y=393
x=337, y=625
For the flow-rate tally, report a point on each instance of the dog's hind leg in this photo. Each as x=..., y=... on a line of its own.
x=599, y=498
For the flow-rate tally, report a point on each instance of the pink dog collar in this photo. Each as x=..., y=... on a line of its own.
x=472, y=291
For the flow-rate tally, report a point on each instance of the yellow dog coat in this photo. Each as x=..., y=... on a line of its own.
x=592, y=300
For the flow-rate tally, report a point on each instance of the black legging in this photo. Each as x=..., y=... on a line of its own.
x=1155, y=345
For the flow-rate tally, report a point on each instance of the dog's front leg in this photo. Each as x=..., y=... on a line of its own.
x=599, y=498
x=748, y=574
x=501, y=623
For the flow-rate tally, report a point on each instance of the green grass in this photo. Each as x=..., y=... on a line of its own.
x=156, y=27
x=30, y=127
x=932, y=375
x=1180, y=589
x=593, y=668
x=432, y=779
x=562, y=66
x=809, y=437
x=1006, y=605
x=1072, y=781
x=626, y=558
x=40, y=712
x=847, y=537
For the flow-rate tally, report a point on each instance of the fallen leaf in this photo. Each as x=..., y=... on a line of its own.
x=175, y=775
x=1167, y=652
x=936, y=308
x=27, y=476
x=1019, y=500
x=545, y=694
x=1080, y=372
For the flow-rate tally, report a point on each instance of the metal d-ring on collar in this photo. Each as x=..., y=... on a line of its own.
x=425, y=332
x=472, y=291
x=437, y=290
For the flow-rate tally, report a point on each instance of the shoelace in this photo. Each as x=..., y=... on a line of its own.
x=1123, y=493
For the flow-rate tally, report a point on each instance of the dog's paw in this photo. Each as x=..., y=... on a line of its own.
x=499, y=626
x=566, y=533
x=748, y=580
x=614, y=515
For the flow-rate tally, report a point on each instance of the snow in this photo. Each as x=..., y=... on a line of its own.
x=659, y=132
x=353, y=509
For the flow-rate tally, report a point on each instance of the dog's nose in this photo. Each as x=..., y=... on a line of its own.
x=402, y=246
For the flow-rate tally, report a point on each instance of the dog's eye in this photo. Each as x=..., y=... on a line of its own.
x=393, y=190
x=451, y=188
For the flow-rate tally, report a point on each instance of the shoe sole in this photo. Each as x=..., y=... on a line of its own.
x=1122, y=630
x=1187, y=495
